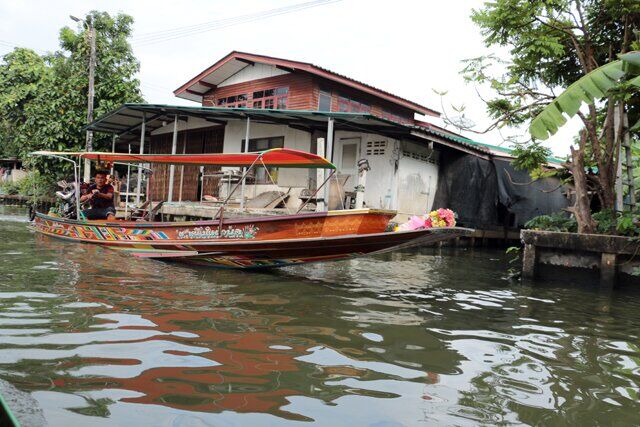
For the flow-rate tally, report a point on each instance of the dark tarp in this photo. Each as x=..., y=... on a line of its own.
x=490, y=193
x=526, y=199
x=467, y=185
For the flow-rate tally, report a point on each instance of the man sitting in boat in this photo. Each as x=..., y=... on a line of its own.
x=100, y=196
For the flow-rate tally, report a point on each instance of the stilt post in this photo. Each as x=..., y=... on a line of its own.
x=244, y=149
x=172, y=168
x=142, y=132
x=329, y=151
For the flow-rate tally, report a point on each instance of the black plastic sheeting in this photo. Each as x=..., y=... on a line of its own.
x=491, y=193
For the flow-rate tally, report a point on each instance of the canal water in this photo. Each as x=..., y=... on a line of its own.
x=91, y=337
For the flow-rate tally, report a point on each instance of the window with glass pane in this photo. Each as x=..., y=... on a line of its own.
x=324, y=101
x=268, y=103
x=282, y=91
x=261, y=144
x=282, y=103
x=257, y=95
x=257, y=104
x=349, y=156
x=343, y=104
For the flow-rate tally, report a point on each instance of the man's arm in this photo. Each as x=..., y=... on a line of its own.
x=107, y=196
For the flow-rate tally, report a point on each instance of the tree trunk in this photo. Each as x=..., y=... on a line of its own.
x=582, y=207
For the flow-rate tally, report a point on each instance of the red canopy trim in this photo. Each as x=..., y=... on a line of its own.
x=276, y=157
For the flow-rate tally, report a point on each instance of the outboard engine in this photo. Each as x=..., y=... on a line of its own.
x=67, y=200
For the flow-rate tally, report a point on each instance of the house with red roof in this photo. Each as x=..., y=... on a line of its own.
x=249, y=102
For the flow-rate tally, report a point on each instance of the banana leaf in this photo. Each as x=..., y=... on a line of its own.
x=587, y=89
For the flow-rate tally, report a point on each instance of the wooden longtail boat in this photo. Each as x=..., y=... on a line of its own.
x=259, y=242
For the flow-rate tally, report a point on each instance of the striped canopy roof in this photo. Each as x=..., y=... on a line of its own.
x=276, y=157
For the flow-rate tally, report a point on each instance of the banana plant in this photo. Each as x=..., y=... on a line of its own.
x=591, y=87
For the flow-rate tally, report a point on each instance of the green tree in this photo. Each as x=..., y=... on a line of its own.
x=52, y=93
x=552, y=44
x=21, y=77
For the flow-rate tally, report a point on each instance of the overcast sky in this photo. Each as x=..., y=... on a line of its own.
x=405, y=47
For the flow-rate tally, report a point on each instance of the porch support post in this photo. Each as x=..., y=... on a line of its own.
x=184, y=150
x=172, y=168
x=113, y=150
x=320, y=174
x=329, y=157
x=142, y=132
x=244, y=149
x=126, y=198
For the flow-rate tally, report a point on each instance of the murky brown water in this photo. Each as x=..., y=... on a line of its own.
x=421, y=337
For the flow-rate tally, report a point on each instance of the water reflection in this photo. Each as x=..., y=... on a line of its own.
x=102, y=339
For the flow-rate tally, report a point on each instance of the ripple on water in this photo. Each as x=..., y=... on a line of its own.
x=429, y=336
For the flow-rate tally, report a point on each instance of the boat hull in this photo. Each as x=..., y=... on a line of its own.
x=254, y=243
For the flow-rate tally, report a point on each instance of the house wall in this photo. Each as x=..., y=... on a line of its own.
x=304, y=91
x=380, y=188
x=379, y=107
x=194, y=137
x=417, y=178
x=293, y=138
x=299, y=97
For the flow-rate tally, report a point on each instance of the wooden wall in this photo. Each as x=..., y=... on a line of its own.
x=300, y=95
x=304, y=90
x=196, y=141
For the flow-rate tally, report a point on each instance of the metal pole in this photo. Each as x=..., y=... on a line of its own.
x=91, y=93
x=113, y=150
x=172, y=168
x=184, y=150
x=320, y=175
x=126, y=197
x=139, y=183
x=244, y=150
x=76, y=176
x=329, y=157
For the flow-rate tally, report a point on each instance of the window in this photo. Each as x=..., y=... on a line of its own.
x=261, y=144
x=235, y=101
x=394, y=117
x=347, y=105
x=324, y=100
x=376, y=148
x=269, y=98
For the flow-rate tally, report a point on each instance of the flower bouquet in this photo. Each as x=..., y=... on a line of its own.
x=435, y=219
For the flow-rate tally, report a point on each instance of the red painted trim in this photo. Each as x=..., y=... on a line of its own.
x=193, y=92
x=312, y=69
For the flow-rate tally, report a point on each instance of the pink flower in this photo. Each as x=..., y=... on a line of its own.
x=448, y=216
x=428, y=223
x=416, y=222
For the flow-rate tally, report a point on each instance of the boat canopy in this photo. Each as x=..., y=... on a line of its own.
x=275, y=157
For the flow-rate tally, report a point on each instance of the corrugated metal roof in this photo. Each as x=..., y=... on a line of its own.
x=127, y=119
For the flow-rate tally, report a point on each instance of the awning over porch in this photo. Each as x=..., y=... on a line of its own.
x=128, y=118
x=126, y=122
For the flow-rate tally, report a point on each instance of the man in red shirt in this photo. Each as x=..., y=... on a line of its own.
x=100, y=196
